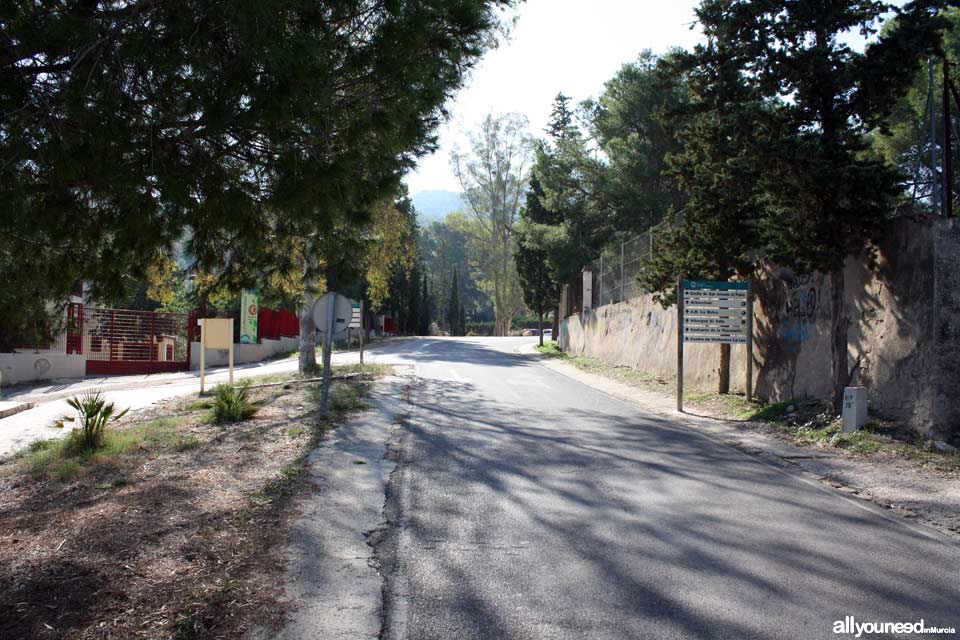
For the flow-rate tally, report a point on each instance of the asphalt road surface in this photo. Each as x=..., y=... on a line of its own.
x=527, y=505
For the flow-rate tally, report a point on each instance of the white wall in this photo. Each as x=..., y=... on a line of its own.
x=26, y=367
x=242, y=353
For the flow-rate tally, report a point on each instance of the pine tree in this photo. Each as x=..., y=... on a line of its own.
x=561, y=117
x=249, y=128
x=827, y=198
x=463, y=320
x=541, y=292
x=712, y=235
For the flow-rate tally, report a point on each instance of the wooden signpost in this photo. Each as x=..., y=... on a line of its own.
x=714, y=312
x=215, y=333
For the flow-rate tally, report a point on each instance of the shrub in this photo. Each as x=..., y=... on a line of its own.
x=232, y=404
x=94, y=414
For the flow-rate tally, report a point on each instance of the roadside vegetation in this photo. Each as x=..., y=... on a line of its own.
x=169, y=526
x=811, y=423
x=804, y=422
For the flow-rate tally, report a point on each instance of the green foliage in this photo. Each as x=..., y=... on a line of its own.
x=904, y=140
x=712, y=234
x=126, y=130
x=552, y=350
x=455, y=327
x=345, y=398
x=631, y=122
x=232, y=403
x=445, y=248
x=63, y=459
x=425, y=314
x=415, y=309
x=93, y=415
x=826, y=197
x=565, y=216
x=493, y=176
x=541, y=292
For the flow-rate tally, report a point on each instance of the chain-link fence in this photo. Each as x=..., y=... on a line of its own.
x=617, y=273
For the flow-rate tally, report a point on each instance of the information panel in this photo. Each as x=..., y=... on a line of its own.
x=355, y=322
x=715, y=311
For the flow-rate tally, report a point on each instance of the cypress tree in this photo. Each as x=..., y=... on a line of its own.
x=415, y=305
x=426, y=309
x=453, y=307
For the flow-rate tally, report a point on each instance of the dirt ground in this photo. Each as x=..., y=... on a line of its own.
x=180, y=539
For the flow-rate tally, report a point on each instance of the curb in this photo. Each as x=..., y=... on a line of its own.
x=16, y=408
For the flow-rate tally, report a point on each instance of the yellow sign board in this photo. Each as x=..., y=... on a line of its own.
x=218, y=332
x=215, y=333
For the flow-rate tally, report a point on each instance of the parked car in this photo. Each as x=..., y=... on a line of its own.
x=531, y=332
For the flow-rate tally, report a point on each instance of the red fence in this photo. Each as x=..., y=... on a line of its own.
x=125, y=341
x=274, y=324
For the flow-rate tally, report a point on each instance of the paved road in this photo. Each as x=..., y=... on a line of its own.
x=140, y=391
x=527, y=505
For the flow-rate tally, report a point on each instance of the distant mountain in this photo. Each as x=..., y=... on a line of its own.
x=436, y=204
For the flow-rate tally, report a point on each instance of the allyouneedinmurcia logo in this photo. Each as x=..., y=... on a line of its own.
x=849, y=625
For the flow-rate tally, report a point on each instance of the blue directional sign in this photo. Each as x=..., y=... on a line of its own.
x=715, y=311
x=696, y=285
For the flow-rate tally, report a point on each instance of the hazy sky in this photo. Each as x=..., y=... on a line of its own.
x=573, y=46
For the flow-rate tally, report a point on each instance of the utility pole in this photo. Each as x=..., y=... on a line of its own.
x=935, y=192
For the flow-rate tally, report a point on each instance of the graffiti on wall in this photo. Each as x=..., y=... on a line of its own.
x=803, y=299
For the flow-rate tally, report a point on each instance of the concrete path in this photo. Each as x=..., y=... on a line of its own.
x=333, y=577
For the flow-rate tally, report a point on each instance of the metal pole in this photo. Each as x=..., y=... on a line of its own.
x=203, y=349
x=328, y=347
x=680, y=342
x=749, y=341
x=947, y=144
x=230, y=357
x=363, y=330
x=935, y=193
x=600, y=304
x=621, y=270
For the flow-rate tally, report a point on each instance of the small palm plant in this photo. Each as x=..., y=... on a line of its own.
x=93, y=415
x=232, y=404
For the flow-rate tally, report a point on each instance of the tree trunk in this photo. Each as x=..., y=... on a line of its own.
x=556, y=325
x=308, y=336
x=724, y=379
x=540, y=328
x=838, y=341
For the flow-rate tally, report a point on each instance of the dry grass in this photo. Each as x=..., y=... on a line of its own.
x=173, y=530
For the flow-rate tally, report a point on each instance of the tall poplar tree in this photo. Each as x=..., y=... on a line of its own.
x=493, y=176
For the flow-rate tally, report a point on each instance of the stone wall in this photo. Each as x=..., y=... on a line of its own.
x=904, y=331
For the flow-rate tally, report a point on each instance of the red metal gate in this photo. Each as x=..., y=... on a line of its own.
x=125, y=341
